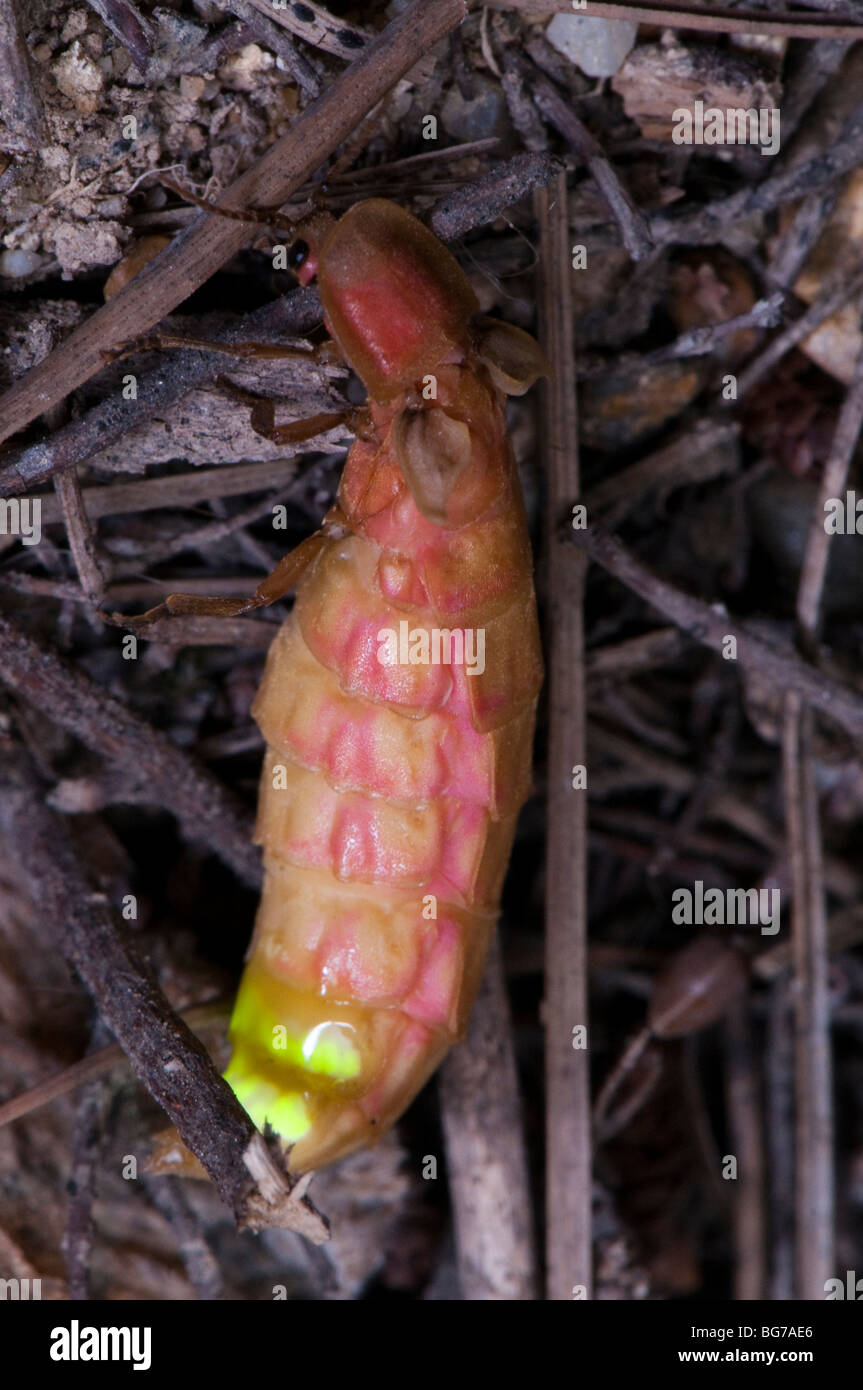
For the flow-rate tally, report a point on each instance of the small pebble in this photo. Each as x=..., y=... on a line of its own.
x=476, y=118
x=597, y=46
x=78, y=78
x=75, y=26
x=192, y=88
x=56, y=157
x=16, y=264
x=114, y=206
x=80, y=245
x=243, y=70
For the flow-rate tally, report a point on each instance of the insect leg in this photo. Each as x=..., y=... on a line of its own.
x=263, y=418
x=275, y=586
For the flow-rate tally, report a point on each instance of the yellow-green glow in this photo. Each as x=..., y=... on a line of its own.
x=289, y=1116
x=287, y=1111
x=328, y=1048
x=280, y=1045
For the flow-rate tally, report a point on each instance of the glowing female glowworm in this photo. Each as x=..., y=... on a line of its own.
x=390, y=790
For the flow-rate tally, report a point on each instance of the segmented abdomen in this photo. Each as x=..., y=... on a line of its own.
x=388, y=803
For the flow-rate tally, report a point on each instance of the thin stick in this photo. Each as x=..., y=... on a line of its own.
x=568, y=1139
x=165, y=1055
x=700, y=341
x=779, y=1133
x=180, y=490
x=794, y=245
x=522, y=109
x=662, y=466
x=716, y=20
x=317, y=26
x=159, y=387
x=201, y=1265
x=23, y=118
x=95, y=1064
x=486, y=1158
x=491, y=194
x=825, y=305
x=844, y=930
x=179, y=632
x=78, y=1242
x=208, y=814
x=814, y=1191
x=814, y=1198
x=833, y=482
x=154, y=552
x=82, y=541
x=414, y=161
x=711, y=625
x=633, y=225
x=211, y=240
x=128, y=24
x=260, y=19
x=693, y=227
x=660, y=647
x=745, y=1109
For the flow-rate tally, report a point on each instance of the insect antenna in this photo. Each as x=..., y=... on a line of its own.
x=269, y=215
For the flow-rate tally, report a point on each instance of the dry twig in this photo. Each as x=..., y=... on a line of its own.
x=164, y=1053
x=744, y=1104
x=833, y=483
x=263, y=20
x=633, y=225
x=568, y=1142
x=711, y=624
x=208, y=813
x=813, y=1067
x=128, y=25
x=703, y=225
x=814, y=1197
x=716, y=20
x=317, y=26
x=82, y=542
x=486, y=1158
x=832, y=298
x=20, y=108
x=159, y=386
